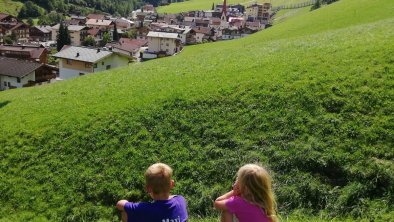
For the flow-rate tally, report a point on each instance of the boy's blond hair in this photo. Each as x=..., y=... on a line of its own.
x=158, y=178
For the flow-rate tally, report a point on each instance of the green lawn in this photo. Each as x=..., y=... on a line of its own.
x=207, y=4
x=10, y=7
x=312, y=98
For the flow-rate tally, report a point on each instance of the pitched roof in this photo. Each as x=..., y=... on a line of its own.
x=43, y=28
x=93, y=31
x=95, y=16
x=163, y=35
x=101, y=22
x=70, y=27
x=82, y=54
x=3, y=16
x=129, y=45
x=34, y=51
x=203, y=30
x=17, y=68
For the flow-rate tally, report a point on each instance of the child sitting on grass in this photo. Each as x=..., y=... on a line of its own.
x=164, y=207
x=251, y=199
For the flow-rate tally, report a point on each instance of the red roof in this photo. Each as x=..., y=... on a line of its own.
x=93, y=31
x=204, y=30
x=3, y=16
x=95, y=16
x=130, y=45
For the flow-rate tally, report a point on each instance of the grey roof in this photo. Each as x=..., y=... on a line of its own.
x=82, y=54
x=17, y=68
x=44, y=28
x=70, y=27
x=163, y=35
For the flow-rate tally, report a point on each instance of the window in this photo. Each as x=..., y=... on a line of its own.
x=9, y=84
x=18, y=80
x=88, y=65
x=95, y=65
x=167, y=44
x=69, y=61
x=5, y=83
x=102, y=63
x=108, y=67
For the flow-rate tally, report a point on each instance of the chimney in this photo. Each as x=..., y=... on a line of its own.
x=98, y=50
x=77, y=54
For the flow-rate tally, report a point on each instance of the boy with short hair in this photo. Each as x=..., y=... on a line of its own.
x=164, y=207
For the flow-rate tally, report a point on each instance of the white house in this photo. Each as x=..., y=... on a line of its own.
x=159, y=42
x=16, y=73
x=78, y=61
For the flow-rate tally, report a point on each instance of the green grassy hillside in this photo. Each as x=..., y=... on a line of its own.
x=10, y=7
x=311, y=98
x=207, y=4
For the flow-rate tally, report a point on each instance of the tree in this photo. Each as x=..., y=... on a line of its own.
x=29, y=9
x=116, y=34
x=60, y=37
x=213, y=6
x=8, y=40
x=316, y=5
x=106, y=39
x=63, y=38
x=67, y=38
x=30, y=21
x=89, y=41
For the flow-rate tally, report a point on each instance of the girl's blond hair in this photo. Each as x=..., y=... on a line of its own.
x=255, y=187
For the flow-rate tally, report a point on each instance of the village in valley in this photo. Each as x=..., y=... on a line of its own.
x=41, y=54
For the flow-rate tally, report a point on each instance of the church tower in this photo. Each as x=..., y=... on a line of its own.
x=224, y=11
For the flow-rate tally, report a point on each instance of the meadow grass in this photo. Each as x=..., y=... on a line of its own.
x=207, y=4
x=10, y=7
x=311, y=98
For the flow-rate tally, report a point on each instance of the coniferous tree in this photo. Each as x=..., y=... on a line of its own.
x=116, y=34
x=213, y=6
x=67, y=37
x=60, y=37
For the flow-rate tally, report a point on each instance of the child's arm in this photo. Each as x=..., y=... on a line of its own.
x=220, y=202
x=120, y=205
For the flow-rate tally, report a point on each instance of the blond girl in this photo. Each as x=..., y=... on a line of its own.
x=251, y=199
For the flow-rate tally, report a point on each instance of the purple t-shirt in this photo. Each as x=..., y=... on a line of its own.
x=245, y=211
x=172, y=210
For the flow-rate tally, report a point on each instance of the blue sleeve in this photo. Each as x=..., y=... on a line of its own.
x=130, y=209
x=182, y=208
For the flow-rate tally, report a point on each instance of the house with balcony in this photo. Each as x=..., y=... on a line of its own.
x=16, y=73
x=40, y=33
x=37, y=54
x=129, y=47
x=163, y=43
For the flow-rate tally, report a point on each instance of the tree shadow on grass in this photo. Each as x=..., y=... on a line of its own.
x=2, y=104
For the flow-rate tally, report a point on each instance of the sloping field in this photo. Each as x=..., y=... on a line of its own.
x=10, y=7
x=311, y=98
x=207, y=4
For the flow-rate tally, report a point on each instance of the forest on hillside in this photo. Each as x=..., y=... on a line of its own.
x=37, y=8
